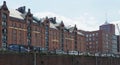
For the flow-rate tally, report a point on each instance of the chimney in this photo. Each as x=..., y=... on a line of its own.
x=54, y=19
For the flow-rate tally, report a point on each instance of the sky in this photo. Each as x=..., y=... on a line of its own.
x=86, y=14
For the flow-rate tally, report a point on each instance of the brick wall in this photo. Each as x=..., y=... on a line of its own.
x=28, y=59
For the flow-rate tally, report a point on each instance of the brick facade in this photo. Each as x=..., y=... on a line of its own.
x=22, y=28
x=28, y=32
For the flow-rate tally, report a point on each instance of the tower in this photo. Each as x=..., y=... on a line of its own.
x=107, y=27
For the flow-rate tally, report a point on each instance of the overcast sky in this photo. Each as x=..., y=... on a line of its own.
x=87, y=14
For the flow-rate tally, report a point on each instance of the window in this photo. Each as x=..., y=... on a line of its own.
x=86, y=39
x=47, y=36
x=96, y=42
x=4, y=30
x=90, y=43
x=89, y=39
x=86, y=35
x=14, y=36
x=4, y=16
x=90, y=46
x=29, y=41
x=93, y=38
x=29, y=29
x=3, y=23
x=96, y=34
x=15, y=25
x=93, y=34
x=62, y=39
x=28, y=22
x=21, y=37
x=29, y=32
x=4, y=38
x=90, y=35
x=29, y=36
x=4, y=20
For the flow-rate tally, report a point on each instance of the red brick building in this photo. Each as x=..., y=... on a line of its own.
x=110, y=28
x=103, y=40
x=22, y=28
x=98, y=41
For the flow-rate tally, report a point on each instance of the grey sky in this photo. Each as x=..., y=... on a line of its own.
x=71, y=8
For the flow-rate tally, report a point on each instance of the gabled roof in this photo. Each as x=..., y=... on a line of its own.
x=54, y=24
x=15, y=13
x=80, y=33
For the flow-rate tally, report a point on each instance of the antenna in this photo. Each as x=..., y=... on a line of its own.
x=106, y=15
x=106, y=18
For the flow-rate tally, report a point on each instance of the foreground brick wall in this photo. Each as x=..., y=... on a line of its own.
x=28, y=59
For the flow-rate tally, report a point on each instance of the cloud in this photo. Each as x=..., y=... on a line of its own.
x=119, y=12
x=83, y=22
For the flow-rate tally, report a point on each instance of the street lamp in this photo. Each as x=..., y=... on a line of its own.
x=35, y=57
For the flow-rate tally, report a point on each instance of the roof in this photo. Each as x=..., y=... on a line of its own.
x=34, y=21
x=71, y=29
x=52, y=26
x=80, y=33
x=57, y=24
x=16, y=14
